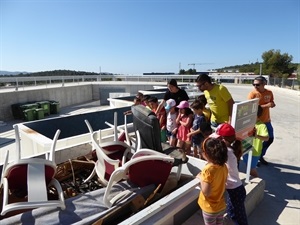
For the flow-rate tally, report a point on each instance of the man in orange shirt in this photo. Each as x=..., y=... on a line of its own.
x=266, y=101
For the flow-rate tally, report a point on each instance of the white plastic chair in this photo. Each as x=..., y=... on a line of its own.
x=110, y=155
x=134, y=142
x=145, y=167
x=32, y=175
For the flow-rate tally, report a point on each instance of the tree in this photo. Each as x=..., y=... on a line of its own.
x=182, y=71
x=188, y=72
x=276, y=64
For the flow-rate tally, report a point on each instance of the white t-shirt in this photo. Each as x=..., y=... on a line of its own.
x=171, y=121
x=233, y=179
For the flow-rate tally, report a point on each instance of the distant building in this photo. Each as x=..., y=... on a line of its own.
x=231, y=71
x=168, y=73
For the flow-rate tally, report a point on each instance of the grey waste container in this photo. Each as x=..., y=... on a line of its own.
x=54, y=107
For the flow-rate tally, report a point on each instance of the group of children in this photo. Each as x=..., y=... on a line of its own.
x=184, y=126
x=187, y=126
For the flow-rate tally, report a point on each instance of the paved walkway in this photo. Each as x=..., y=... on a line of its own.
x=281, y=204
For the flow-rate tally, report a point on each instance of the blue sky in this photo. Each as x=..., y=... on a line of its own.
x=132, y=37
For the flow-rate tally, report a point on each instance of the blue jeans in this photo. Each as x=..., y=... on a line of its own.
x=266, y=144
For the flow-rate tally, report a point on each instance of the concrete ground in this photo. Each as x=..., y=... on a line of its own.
x=281, y=203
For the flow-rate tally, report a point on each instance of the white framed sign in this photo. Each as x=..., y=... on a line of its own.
x=243, y=120
x=244, y=115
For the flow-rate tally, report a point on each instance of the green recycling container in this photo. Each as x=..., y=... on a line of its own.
x=54, y=107
x=33, y=106
x=29, y=106
x=29, y=114
x=40, y=113
x=45, y=105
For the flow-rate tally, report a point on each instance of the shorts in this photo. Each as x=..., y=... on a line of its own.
x=170, y=135
x=254, y=160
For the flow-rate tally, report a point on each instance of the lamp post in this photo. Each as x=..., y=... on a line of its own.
x=100, y=72
x=260, y=69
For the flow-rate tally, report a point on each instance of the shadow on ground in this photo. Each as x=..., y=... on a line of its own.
x=281, y=181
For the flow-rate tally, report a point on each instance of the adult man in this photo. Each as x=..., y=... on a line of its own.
x=173, y=92
x=266, y=101
x=219, y=99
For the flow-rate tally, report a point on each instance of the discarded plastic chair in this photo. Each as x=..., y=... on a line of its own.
x=147, y=124
x=33, y=177
x=145, y=168
x=110, y=155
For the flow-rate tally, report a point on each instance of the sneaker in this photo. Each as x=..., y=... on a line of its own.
x=263, y=161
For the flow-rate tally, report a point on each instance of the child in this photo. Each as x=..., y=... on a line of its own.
x=136, y=101
x=206, y=129
x=161, y=116
x=171, y=127
x=196, y=132
x=260, y=134
x=212, y=179
x=140, y=95
x=206, y=111
x=184, y=121
x=145, y=101
x=234, y=186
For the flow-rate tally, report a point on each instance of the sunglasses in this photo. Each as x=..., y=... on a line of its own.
x=256, y=85
x=200, y=85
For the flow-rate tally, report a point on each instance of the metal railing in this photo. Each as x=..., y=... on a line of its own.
x=19, y=82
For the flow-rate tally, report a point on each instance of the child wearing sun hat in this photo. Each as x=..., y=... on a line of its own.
x=185, y=121
x=171, y=126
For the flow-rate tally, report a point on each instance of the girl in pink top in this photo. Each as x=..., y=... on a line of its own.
x=185, y=122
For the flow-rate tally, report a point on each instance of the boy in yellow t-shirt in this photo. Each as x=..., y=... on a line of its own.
x=260, y=134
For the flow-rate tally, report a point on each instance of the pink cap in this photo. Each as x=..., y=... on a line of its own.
x=183, y=104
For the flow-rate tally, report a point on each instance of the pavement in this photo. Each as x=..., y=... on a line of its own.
x=281, y=202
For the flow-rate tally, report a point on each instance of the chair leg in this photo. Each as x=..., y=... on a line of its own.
x=5, y=196
x=93, y=173
x=179, y=172
x=60, y=193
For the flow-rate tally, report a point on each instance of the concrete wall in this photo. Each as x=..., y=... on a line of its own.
x=68, y=94
x=101, y=90
x=64, y=95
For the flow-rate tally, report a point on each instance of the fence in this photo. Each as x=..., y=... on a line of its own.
x=290, y=83
x=21, y=82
